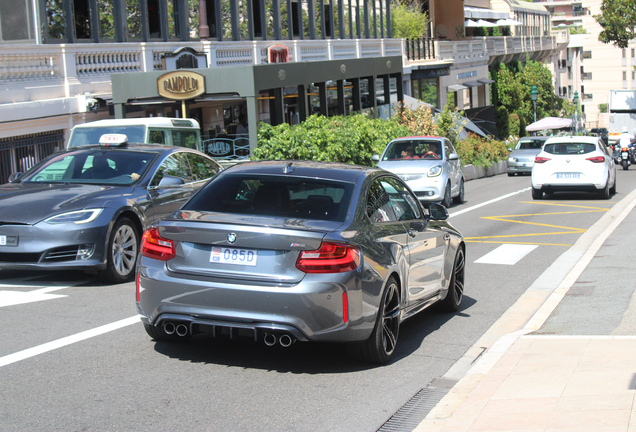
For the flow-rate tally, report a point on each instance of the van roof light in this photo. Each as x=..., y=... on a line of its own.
x=113, y=140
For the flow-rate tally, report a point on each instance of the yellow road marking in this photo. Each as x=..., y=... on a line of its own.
x=507, y=218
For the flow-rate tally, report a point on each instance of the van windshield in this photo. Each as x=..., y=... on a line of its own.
x=91, y=135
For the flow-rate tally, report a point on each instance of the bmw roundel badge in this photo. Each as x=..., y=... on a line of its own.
x=231, y=237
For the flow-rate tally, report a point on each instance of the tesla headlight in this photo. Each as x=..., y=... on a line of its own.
x=435, y=171
x=78, y=217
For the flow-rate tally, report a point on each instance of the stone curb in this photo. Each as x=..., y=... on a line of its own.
x=472, y=172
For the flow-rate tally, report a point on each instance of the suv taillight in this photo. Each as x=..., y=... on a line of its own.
x=541, y=159
x=155, y=246
x=596, y=159
x=329, y=258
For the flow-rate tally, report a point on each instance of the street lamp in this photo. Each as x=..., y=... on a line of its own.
x=533, y=95
x=576, y=111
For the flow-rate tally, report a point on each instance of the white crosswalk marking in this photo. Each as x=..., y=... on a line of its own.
x=507, y=254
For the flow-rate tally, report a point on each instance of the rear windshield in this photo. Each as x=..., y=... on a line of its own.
x=279, y=196
x=529, y=144
x=91, y=135
x=569, y=148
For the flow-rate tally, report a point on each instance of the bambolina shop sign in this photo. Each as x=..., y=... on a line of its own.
x=181, y=85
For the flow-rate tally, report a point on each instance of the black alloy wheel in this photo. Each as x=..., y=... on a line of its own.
x=380, y=346
x=453, y=300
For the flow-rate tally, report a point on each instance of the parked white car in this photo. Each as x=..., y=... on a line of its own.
x=429, y=165
x=574, y=163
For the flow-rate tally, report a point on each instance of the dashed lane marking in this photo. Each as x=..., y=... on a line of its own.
x=507, y=254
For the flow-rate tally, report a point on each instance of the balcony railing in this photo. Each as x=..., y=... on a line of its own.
x=36, y=72
x=497, y=48
x=420, y=49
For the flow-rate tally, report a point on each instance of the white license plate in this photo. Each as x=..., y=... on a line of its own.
x=529, y=164
x=567, y=175
x=3, y=240
x=223, y=255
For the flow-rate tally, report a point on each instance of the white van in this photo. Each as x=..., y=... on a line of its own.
x=156, y=130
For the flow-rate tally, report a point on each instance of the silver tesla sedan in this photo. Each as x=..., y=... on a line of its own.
x=299, y=251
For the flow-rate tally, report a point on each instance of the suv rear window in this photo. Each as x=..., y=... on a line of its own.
x=279, y=196
x=569, y=148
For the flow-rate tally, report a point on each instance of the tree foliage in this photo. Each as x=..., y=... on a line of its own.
x=408, y=20
x=514, y=84
x=449, y=123
x=618, y=19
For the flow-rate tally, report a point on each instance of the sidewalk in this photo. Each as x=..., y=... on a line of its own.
x=541, y=382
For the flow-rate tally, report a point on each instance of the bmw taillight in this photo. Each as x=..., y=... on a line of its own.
x=596, y=159
x=541, y=160
x=329, y=258
x=156, y=247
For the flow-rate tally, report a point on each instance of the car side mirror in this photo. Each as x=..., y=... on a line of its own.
x=509, y=149
x=168, y=181
x=453, y=156
x=13, y=177
x=438, y=211
x=375, y=158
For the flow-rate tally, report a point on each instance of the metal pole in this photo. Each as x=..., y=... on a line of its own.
x=535, y=110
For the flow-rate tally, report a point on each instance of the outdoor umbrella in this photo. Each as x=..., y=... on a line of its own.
x=484, y=23
x=471, y=23
x=549, y=123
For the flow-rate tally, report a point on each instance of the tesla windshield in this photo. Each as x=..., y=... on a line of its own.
x=116, y=167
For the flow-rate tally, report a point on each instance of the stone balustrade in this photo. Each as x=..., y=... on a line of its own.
x=75, y=69
x=497, y=48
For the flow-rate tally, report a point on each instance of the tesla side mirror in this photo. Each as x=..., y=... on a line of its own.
x=438, y=211
x=375, y=158
x=13, y=177
x=168, y=181
x=453, y=156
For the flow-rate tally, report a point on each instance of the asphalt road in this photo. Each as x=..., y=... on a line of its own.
x=74, y=358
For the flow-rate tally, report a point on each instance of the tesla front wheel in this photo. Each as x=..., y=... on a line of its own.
x=123, y=246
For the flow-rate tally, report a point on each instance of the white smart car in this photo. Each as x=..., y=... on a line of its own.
x=574, y=163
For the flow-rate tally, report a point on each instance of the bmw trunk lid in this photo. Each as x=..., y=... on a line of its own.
x=263, y=251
